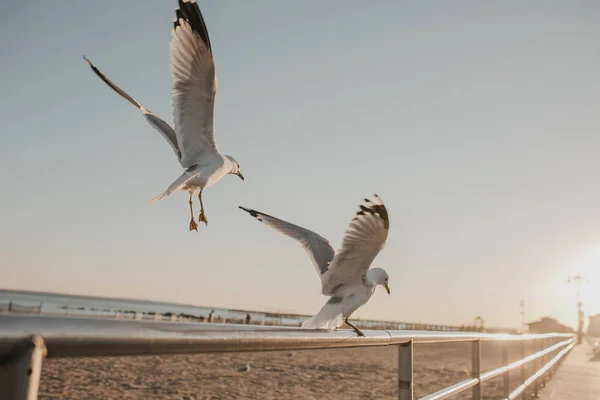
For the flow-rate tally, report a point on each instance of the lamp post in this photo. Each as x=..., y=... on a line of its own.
x=577, y=280
x=522, y=307
x=479, y=328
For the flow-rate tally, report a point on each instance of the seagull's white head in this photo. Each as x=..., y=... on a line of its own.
x=235, y=167
x=379, y=277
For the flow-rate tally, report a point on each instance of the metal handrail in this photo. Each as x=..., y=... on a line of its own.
x=459, y=387
x=521, y=389
x=67, y=336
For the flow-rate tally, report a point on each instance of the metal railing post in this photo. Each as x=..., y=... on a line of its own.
x=405, y=371
x=523, y=368
x=551, y=370
x=537, y=365
x=20, y=370
x=506, y=391
x=476, y=367
x=544, y=361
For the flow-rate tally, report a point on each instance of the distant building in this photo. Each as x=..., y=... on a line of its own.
x=594, y=326
x=548, y=325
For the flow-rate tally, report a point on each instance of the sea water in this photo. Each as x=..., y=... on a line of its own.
x=66, y=304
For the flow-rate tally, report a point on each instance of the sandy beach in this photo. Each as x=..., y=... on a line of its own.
x=354, y=373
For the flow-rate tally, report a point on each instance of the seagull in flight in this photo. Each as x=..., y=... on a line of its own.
x=345, y=274
x=194, y=89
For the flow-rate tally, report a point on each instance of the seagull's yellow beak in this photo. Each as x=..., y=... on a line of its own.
x=387, y=288
x=240, y=175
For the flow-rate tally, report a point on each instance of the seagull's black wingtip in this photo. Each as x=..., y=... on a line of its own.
x=250, y=211
x=376, y=207
x=189, y=10
x=93, y=67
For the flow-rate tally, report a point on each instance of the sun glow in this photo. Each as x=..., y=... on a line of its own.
x=587, y=265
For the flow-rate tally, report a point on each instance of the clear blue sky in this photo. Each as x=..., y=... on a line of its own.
x=477, y=123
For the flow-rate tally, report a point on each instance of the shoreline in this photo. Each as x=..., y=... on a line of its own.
x=115, y=308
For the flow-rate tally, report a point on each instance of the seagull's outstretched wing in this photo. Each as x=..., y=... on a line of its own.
x=194, y=84
x=362, y=242
x=153, y=119
x=316, y=246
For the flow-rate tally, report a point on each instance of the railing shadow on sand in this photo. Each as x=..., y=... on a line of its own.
x=27, y=339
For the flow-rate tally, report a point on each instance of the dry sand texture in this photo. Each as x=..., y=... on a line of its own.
x=353, y=373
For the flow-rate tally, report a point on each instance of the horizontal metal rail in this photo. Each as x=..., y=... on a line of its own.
x=452, y=390
x=67, y=336
x=77, y=336
x=520, y=390
x=462, y=386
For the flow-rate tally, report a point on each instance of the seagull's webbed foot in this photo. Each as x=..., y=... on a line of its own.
x=193, y=224
x=358, y=331
x=202, y=218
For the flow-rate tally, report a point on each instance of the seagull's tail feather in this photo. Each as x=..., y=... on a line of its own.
x=159, y=197
x=329, y=317
x=174, y=187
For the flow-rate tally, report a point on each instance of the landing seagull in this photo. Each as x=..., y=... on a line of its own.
x=194, y=89
x=345, y=274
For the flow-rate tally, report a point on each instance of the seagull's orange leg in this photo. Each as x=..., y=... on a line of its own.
x=202, y=217
x=193, y=224
x=358, y=331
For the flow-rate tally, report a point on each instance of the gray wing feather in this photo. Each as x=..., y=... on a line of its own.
x=164, y=129
x=363, y=240
x=157, y=123
x=194, y=84
x=316, y=246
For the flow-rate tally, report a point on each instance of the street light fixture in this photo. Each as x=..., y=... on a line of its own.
x=578, y=280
